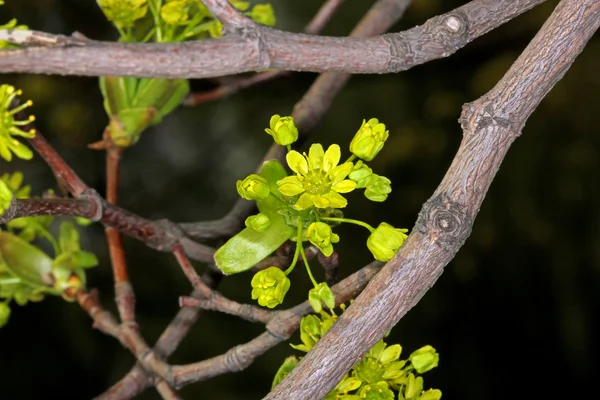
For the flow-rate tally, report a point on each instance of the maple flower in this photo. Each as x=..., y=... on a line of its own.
x=319, y=179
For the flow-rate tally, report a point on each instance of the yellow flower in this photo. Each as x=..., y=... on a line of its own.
x=123, y=12
x=318, y=178
x=10, y=126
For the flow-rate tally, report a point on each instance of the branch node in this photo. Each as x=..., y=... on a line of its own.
x=10, y=213
x=91, y=194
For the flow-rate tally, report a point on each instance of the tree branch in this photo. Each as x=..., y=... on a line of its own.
x=490, y=125
x=257, y=48
x=314, y=27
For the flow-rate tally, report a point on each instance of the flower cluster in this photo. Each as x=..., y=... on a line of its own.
x=379, y=375
x=10, y=126
x=305, y=206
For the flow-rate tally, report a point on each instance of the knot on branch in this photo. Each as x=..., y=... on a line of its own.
x=236, y=359
x=446, y=221
x=254, y=35
x=451, y=31
x=476, y=117
x=401, y=54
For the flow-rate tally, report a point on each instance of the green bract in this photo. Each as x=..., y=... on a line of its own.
x=385, y=241
x=12, y=25
x=4, y=313
x=10, y=127
x=269, y=286
x=378, y=375
x=283, y=130
x=369, y=139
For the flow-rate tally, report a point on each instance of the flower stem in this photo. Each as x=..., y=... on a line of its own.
x=350, y=221
x=351, y=158
x=298, y=247
x=310, y=275
x=289, y=148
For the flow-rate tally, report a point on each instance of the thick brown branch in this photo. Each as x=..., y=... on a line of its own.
x=314, y=27
x=258, y=48
x=490, y=126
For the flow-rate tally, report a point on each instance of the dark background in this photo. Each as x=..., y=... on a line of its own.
x=514, y=315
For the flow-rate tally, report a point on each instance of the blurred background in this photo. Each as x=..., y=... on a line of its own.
x=516, y=312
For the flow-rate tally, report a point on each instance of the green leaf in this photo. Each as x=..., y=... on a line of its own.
x=283, y=371
x=24, y=260
x=249, y=247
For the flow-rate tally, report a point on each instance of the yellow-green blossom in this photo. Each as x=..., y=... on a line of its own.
x=321, y=294
x=376, y=391
x=283, y=130
x=123, y=13
x=259, y=222
x=320, y=235
x=319, y=179
x=269, y=286
x=414, y=386
x=369, y=139
x=6, y=196
x=263, y=14
x=4, y=313
x=253, y=187
x=175, y=12
x=424, y=359
x=14, y=182
x=385, y=241
x=10, y=127
x=378, y=187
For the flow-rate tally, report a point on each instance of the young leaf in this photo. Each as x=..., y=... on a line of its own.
x=249, y=247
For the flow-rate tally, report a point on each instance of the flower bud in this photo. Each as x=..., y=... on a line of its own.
x=283, y=130
x=321, y=294
x=378, y=188
x=269, y=286
x=369, y=139
x=253, y=187
x=385, y=241
x=4, y=314
x=259, y=222
x=320, y=235
x=424, y=359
